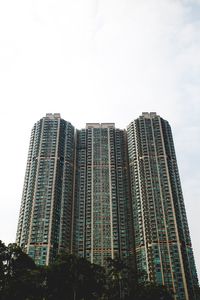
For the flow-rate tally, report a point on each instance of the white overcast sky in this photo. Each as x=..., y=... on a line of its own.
x=98, y=61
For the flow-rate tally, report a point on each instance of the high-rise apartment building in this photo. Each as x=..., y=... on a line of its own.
x=102, y=219
x=104, y=192
x=44, y=225
x=162, y=240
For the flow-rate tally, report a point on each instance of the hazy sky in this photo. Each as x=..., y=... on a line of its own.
x=98, y=61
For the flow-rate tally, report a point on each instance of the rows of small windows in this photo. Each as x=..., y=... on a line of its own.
x=38, y=253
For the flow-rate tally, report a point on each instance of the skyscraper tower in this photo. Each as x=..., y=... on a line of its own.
x=44, y=225
x=162, y=240
x=104, y=192
x=102, y=222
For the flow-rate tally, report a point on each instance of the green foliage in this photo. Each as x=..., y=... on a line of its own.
x=150, y=291
x=117, y=278
x=123, y=283
x=71, y=278
x=20, y=278
x=197, y=292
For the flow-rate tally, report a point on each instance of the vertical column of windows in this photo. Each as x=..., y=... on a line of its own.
x=89, y=188
x=123, y=220
x=66, y=175
x=25, y=210
x=111, y=246
x=135, y=157
x=81, y=208
x=97, y=198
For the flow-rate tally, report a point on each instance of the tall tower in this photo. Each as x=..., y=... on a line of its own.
x=162, y=240
x=102, y=222
x=44, y=225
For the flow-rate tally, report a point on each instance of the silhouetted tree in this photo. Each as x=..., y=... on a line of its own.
x=197, y=292
x=2, y=268
x=71, y=278
x=74, y=278
x=117, y=278
x=150, y=291
x=20, y=279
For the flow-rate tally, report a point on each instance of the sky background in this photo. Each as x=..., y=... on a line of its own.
x=98, y=61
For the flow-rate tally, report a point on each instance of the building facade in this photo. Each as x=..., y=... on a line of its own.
x=44, y=225
x=102, y=219
x=103, y=192
x=162, y=240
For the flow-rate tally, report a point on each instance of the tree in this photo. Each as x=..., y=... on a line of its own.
x=151, y=291
x=117, y=278
x=74, y=278
x=20, y=278
x=197, y=292
x=71, y=278
x=2, y=268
